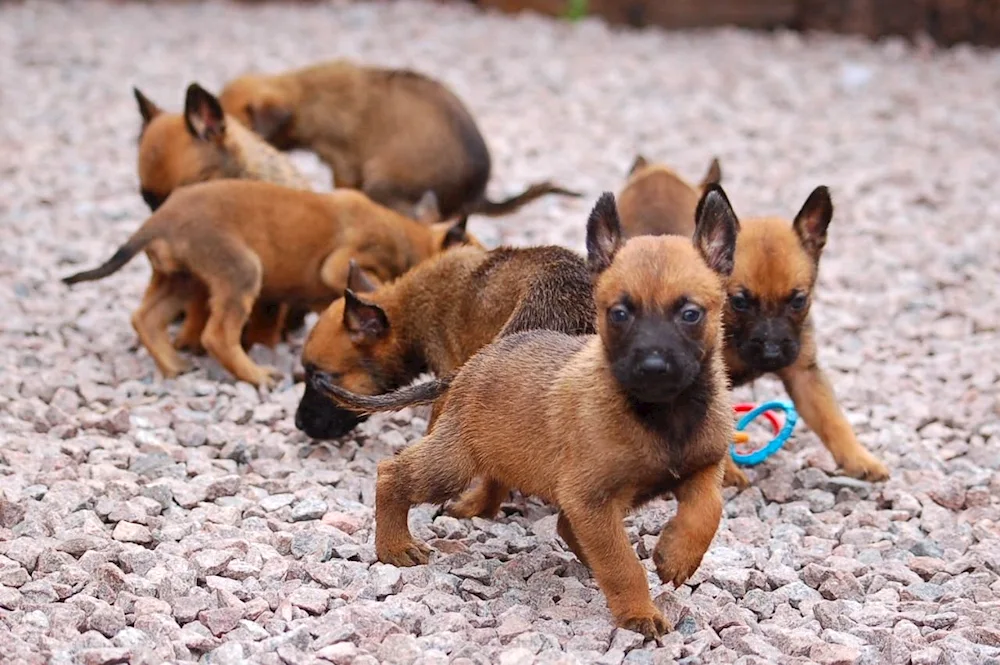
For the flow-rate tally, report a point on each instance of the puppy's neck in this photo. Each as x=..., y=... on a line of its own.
x=426, y=313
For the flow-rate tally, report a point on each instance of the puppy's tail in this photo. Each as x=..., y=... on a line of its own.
x=507, y=206
x=415, y=395
x=146, y=234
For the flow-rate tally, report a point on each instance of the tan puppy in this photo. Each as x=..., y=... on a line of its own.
x=394, y=134
x=203, y=144
x=769, y=330
x=596, y=424
x=656, y=200
x=434, y=318
x=768, y=327
x=240, y=241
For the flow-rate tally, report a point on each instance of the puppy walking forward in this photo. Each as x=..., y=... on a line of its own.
x=768, y=328
x=595, y=424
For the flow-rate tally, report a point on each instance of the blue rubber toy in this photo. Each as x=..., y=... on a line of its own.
x=775, y=444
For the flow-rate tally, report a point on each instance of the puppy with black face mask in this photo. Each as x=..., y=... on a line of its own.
x=595, y=424
x=768, y=328
x=767, y=325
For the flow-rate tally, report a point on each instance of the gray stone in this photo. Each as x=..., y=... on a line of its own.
x=308, y=509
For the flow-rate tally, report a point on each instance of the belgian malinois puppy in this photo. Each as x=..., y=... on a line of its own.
x=768, y=329
x=394, y=134
x=228, y=243
x=656, y=200
x=177, y=149
x=434, y=318
x=595, y=424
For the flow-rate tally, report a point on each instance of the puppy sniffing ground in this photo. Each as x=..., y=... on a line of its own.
x=434, y=318
x=596, y=425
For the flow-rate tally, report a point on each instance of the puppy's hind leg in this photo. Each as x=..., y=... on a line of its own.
x=161, y=304
x=481, y=501
x=432, y=471
x=195, y=318
x=231, y=301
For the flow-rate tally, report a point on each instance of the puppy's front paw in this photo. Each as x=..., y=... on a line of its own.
x=865, y=466
x=676, y=560
x=176, y=368
x=405, y=554
x=266, y=376
x=649, y=623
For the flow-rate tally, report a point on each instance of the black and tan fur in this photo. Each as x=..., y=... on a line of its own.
x=394, y=134
x=596, y=424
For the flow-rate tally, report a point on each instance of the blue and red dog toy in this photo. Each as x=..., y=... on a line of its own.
x=781, y=431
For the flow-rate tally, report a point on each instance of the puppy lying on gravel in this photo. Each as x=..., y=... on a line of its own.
x=656, y=200
x=595, y=424
x=434, y=318
x=767, y=323
x=203, y=144
x=238, y=241
x=394, y=134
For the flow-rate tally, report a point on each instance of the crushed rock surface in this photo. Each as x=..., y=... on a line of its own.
x=144, y=520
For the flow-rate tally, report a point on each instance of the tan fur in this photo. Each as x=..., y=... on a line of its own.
x=392, y=133
x=445, y=310
x=771, y=264
x=171, y=155
x=242, y=241
x=656, y=200
x=543, y=412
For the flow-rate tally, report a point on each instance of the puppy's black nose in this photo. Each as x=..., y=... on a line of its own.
x=771, y=351
x=654, y=364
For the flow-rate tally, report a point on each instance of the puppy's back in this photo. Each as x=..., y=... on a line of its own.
x=656, y=201
x=543, y=288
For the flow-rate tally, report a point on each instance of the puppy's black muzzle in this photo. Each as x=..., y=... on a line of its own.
x=770, y=353
x=320, y=418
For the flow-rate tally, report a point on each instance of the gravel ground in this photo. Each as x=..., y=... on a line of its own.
x=186, y=520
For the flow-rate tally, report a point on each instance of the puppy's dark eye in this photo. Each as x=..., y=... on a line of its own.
x=798, y=302
x=739, y=302
x=619, y=314
x=691, y=314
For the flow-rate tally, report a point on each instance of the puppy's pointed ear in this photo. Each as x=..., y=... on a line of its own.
x=716, y=227
x=714, y=174
x=456, y=235
x=365, y=322
x=147, y=109
x=357, y=280
x=811, y=223
x=640, y=162
x=203, y=114
x=604, y=234
x=427, y=210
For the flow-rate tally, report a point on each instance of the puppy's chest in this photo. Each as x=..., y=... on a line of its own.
x=656, y=477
